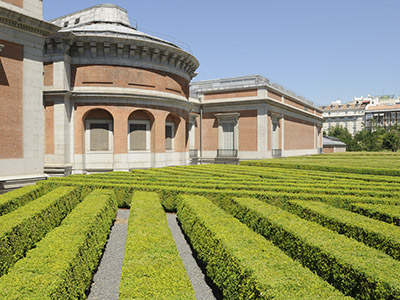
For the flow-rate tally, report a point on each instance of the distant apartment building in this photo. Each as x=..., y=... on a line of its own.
x=349, y=115
x=362, y=112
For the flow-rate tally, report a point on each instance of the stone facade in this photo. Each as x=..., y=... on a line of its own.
x=87, y=92
x=22, y=38
x=252, y=118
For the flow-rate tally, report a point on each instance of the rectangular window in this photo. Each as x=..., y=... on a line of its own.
x=138, y=136
x=169, y=136
x=228, y=131
x=99, y=136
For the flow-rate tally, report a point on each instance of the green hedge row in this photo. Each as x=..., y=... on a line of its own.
x=285, y=192
x=169, y=194
x=123, y=192
x=330, y=187
x=61, y=267
x=22, y=228
x=342, y=169
x=248, y=267
x=350, y=266
x=249, y=184
x=386, y=213
x=16, y=198
x=382, y=236
x=152, y=267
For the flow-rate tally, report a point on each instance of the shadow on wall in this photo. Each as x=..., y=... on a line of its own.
x=3, y=76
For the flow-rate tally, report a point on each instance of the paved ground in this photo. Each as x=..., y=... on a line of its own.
x=203, y=287
x=106, y=281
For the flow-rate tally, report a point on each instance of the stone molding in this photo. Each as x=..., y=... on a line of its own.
x=25, y=23
x=124, y=52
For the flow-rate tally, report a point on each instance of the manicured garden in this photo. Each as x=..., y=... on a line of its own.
x=317, y=227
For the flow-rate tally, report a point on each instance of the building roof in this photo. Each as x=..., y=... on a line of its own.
x=383, y=107
x=346, y=106
x=103, y=20
x=329, y=141
x=243, y=82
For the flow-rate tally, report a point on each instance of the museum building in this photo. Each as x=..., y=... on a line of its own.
x=87, y=92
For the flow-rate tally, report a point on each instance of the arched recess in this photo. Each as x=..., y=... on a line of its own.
x=141, y=131
x=99, y=130
x=172, y=138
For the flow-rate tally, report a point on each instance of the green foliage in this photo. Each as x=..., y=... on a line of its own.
x=391, y=140
x=344, y=136
x=152, y=268
x=242, y=263
x=62, y=265
x=353, y=268
x=386, y=213
x=25, y=226
x=385, y=237
x=16, y=198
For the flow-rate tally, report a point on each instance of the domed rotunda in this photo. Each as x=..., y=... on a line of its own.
x=115, y=98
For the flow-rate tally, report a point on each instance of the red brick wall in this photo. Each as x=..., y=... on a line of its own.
x=248, y=130
x=274, y=95
x=11, y=101
x=129, y=77
x=19, y=3
x=299, y=134
x=233, y=94
x=49, y=128
x=210, y=132
x=48, y=74
x=121, y=115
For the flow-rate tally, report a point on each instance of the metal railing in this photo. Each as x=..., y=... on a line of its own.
x=276, y=152
x=227, y=153
x=193, y=153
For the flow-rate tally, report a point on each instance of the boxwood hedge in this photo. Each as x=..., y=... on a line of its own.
x=23, y=227
x=62, y=264
x=152, y=268
x=242, y=263
x=352, y=267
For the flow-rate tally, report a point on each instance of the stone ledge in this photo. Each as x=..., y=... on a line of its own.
x=13, y=182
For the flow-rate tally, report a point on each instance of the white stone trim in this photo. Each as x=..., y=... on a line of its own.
x=228, y=118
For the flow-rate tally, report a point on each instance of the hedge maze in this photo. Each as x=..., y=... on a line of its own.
x=315, y=228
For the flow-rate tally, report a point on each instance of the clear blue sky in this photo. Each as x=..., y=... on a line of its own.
x=322, y=49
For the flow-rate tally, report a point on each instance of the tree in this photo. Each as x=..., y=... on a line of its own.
x=391, y=140
x=344, y=136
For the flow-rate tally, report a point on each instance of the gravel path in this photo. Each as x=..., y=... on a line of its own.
x=106, y=281
x=203, y=287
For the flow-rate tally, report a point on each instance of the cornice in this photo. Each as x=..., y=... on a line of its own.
x=25, y=23
x=269, y=101
x=119, y=51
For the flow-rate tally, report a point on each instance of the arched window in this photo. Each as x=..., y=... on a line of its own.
x=170, y=129
x=139, y=126
x=99, y=130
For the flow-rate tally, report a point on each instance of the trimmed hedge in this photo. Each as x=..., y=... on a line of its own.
x=350, y=266
x=62, y=265
x=16, y=198
x=248, y=267
x=152, y=267
x=386, y=213
x=25, y=226
x=169, y=194
x=382, y=236
x=328, y=168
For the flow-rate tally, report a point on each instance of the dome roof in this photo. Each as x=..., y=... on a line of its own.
x=107, y=20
